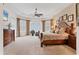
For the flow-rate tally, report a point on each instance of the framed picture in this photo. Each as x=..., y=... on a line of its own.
x=65, y=17
x=60, y=19
x=70, y=18
x=5, y=14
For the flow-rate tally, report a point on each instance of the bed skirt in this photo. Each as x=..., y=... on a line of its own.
x=53, y=42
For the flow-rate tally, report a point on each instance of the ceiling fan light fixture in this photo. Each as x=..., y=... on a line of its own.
x=37, y=14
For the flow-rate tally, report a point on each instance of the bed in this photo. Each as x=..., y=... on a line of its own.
x=56, y=38
x=53, y=39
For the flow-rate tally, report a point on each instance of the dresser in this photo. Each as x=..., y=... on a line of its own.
x=8, y=36
x=72, y=41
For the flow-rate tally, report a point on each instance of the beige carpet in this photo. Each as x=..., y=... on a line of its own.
x=30, y=45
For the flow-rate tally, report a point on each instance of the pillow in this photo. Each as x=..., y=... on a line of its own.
x=65, y=34
x=61, y=31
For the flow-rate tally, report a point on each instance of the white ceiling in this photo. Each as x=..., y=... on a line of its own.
x=28, y=9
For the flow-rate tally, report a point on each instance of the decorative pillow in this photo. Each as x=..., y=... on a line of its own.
x=61, y=31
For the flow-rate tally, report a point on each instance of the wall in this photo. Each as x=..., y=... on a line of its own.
x=77, y=13
x=3, y=24
x=77, y=40
x=1, y=41
x=71, y=9
x=77, y=28
x=1, y=32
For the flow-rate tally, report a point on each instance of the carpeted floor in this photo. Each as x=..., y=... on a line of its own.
x=30, y=45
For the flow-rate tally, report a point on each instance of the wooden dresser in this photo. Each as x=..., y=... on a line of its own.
x=72, y=41
x=8, y=36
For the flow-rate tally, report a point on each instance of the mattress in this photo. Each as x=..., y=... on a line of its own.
x=53, y=36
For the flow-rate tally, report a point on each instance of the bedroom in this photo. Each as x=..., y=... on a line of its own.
x=57, y=26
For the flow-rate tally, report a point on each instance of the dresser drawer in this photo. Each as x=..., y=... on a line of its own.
x=7, y=36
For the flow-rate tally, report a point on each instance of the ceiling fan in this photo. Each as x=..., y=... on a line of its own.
x=37, y=14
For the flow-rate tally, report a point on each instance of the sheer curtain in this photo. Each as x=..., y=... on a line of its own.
x=47, y=26
x=35, y=26
x=22, y=27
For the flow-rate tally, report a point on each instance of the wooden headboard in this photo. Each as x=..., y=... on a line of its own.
x=67, y=30
x=70, y=29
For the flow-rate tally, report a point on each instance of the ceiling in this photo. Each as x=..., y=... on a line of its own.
x=28, y=9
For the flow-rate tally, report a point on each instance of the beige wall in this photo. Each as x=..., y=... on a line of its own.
x=78, y=14
x=71, y=9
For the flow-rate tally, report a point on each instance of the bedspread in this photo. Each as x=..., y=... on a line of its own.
x=53, y=36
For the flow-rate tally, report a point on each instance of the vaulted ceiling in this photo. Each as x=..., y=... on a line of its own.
x=28, y=9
